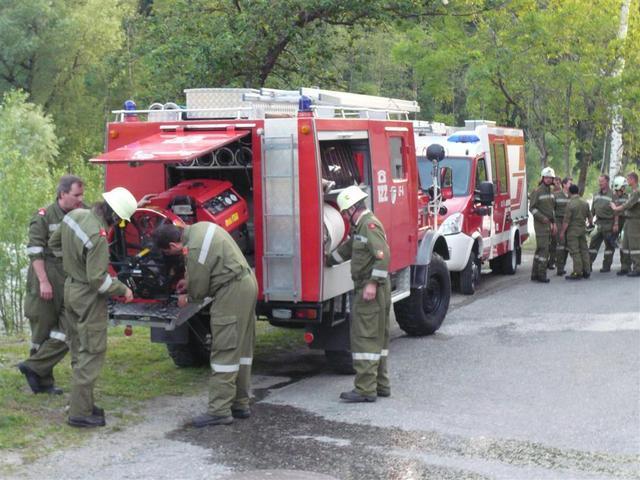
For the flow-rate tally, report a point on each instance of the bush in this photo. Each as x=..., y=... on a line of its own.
x=28, y=148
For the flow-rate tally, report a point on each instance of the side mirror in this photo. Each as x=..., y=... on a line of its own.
x=485, y=193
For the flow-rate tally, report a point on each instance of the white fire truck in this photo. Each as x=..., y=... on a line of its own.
x=486, y=220
x=267, y=165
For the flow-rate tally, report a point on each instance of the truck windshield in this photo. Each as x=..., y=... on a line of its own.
x=460, y=167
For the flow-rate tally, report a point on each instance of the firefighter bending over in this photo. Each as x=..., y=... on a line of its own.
x=215, y=267
x=542, y=206
x=82, y=239
x=369, y=252
x=44, y=300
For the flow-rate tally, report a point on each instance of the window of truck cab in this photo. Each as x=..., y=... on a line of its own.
x=460, y=169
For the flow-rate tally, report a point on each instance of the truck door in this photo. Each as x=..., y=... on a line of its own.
x=485, y=220
x=392, y=196
x=501, y=219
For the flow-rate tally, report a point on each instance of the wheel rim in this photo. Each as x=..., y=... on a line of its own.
x=433, y=295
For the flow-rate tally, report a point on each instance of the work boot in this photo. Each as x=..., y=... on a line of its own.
x=622, y=272
x=206, y=420
x=541, y=280
x=573, y=276
x=90, y=421
x=33, y=379
x=383, y=392
x=605, y=270
x=561, y=272
x=586, y=274
x=355, y=397
x=51, y=390
x=242, y=413
x=97, y=411
x=635, y=273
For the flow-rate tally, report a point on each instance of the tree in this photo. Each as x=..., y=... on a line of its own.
x=58, y=51
x=29, y=147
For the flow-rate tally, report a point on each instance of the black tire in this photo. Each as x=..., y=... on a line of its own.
x=192, y=354
x=340, y=361
x=509, y=261
x=470, y=276
x=424, y=310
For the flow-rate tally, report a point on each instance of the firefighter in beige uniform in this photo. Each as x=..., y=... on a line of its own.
x=631, y=235
x=542, y=206
x=215, y=267
x=85, y=252
x=369, y=252
x=601, y=209
x=45, y=290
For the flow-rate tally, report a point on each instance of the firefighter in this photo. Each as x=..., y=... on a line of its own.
x=601, y=209
x=561, y=250
x=82, y=239
x=574, y=228
x=619, y=198
x=553, y=246
x=369, y=252
x=215, y=267
x=542, y=206
x=631, y=235
x=45, y=290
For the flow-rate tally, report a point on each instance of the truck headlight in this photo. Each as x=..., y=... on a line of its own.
x=452, y=224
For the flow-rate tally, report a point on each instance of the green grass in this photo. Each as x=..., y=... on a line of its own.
x=136, y=370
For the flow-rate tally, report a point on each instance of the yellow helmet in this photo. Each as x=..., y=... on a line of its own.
x=348, y=197
x=122, y=202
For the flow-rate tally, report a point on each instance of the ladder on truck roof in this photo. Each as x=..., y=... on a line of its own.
x=248, y=103
x=218, y=102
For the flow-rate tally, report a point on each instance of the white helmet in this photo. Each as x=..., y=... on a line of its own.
x=122, y=202
x=548, y=172
x=619, y=183
x=348, y=197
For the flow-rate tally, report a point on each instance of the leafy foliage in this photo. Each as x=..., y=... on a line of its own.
x=29, y=147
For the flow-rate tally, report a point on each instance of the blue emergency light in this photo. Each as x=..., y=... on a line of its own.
x=464, y=138
x=304, y=104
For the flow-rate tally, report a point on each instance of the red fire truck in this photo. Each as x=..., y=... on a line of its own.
x=486, y=220
x=267, y=165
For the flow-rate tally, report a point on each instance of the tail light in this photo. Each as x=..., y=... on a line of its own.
x=308, y=338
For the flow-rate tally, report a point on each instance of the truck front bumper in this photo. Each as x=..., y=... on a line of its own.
x=460, y=245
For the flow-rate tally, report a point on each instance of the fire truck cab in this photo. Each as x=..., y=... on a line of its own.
x=486, y=220
x=267, y=166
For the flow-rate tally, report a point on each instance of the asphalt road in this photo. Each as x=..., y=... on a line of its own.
x=523, y=381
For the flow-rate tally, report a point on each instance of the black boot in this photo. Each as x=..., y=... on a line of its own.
x=91, y=421
x=622, y=272
x=355, y=397
x=241, y=413
x=635, y=273
x=33, y=379
x=573, y=276
x=206, y=420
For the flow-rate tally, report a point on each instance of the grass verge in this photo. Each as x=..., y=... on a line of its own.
x=135, y=370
